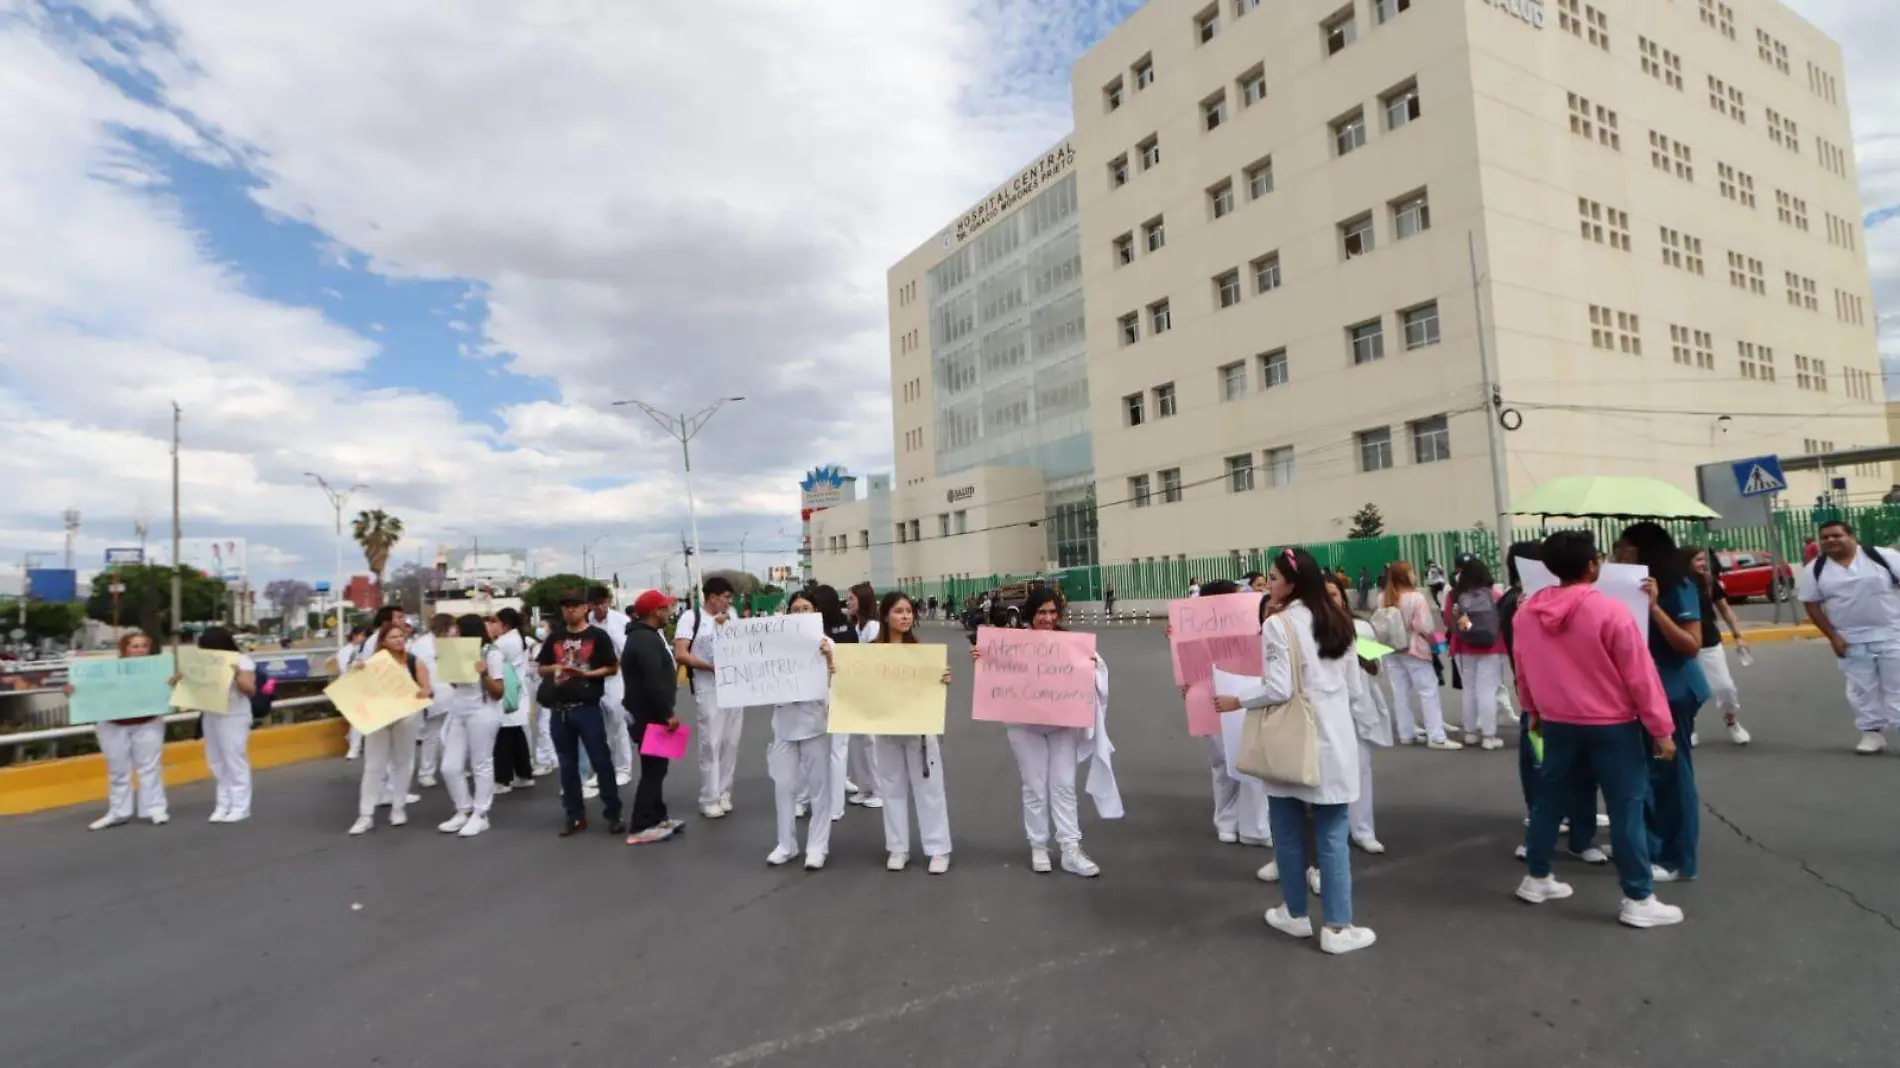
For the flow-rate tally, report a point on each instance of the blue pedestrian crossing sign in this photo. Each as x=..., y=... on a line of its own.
x=1759, y=476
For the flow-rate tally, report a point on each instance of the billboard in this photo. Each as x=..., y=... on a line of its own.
x=60, y=584
x=221, y=558
x=826, y=486
x=125, y=557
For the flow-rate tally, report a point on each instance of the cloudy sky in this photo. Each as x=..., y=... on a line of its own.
x=424, y=246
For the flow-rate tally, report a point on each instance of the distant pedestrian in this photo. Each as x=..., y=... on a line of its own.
x=1477, y=647
x=651, y=687
x=1852, y=594
x=1406, y=622
x=1706, y=566
x=1108, y=600
x=1365, y=590
x=1255, y=581
x=1194, y=587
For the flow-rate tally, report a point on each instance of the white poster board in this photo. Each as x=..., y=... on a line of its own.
x=1622, y=583
x=770, y=660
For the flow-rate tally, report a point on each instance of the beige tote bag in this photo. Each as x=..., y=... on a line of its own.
x=1280, y=743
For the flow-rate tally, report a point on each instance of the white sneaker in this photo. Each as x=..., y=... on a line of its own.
x=1492, y=743
x=1521, y=851
x=1312, y=880
x=799, y=811
x=855, y=798
x=237, y=817
x=897, y=862
x=1039, y=860
x=780, y=856
x=1871, y=742
x=838, y=815
x=725, y=802
x=453, y=823
x=814, y=862
x=107, y=820
x=1280, y=920
x=1592, y=855
x=1471, y=737
x=426, y=780
x=623, y=778
x=1660, y=874
x=398, y=817
x=1738, y=734
x=1229, y=838
x=940, y=864
x=507, y=788
x=873, y=802
x=1345, y=939
x=161, y=819
x=1695, y=739
x=1076, y=862
x=1369, y=844
x=521, y=784
x=713, y=811
x=219, y=816
x=1270, y=873
x=1257, y=843
x=542, y=771
x=363, y=825
x=591, y=782
x=475, y=825
x=852, y=789
x=1537, y=891
x=1444, y=746
x=588, y=791
x=409, y=799
x=1648, y=912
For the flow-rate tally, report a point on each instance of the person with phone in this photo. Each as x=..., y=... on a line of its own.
x=574, y=663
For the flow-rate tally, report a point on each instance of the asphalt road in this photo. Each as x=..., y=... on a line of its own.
x=283, y=942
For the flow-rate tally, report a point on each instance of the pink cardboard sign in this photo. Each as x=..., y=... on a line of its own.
x=1208, y=631
x=1203, y=717
x=665, y=744
x=1043, y=678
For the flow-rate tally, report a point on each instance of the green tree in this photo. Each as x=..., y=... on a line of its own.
x=377, y=532
x=546, y=593
x=147, y=600
x=1367, y=522
x=45, y=620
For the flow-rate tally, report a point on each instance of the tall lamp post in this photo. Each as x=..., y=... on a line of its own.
x=339, y=500
x=589, y=560
x=683, y=428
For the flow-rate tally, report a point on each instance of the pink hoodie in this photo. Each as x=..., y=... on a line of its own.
x=1580, y=659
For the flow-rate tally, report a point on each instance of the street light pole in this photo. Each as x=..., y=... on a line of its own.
x=339, y=500
x=683, y=428
x=178, y=586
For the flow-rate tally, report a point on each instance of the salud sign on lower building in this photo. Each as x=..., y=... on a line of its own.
x=1760, y=475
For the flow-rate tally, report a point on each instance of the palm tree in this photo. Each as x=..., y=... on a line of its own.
x=377, y=532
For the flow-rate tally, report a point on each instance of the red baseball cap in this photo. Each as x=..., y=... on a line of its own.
x=651, y=601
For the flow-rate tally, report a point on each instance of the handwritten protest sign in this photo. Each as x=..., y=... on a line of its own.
x=456, y=660
x=1206, y=633
x=1038, y=677
x=377, y=695
x=888, y=689
x=204, y=679
x=770, y=660
x=111, y=687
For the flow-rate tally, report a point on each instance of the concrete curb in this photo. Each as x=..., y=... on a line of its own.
x=1778, y=634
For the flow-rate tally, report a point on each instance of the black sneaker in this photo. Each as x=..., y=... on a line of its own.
x=573, y=828
x=617, y=827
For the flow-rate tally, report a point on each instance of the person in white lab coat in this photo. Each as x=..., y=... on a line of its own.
x=1371, y=720
x=345, y=653
x=719, y=728
x=442, y=625
x=602, y=613
x=801, y=758
x=910, y=768
x=227, y=732
x=133, y=747
x=473, y=718
x=514, y=768
x=1240, y=806
x=389, y=754
x=1306, y=643
x=854, y=764
x=1046, y=758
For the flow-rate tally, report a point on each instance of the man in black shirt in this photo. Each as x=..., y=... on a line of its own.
x=574, y=661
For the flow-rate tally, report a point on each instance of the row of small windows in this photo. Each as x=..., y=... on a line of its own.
x=1431, y=443
x=1584, y=21
x=1614, y=330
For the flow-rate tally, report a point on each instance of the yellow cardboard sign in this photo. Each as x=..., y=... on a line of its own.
x=204, y=679
x=888, y=689
x=377, y=695
x=455, y=660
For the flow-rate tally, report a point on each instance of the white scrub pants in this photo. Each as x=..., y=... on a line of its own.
x=228, y=752
x=1480, y=676
x=718, y=744
x=468, y=748
x=1359, y=812
x=134, y=748
x=910, y=768
x=1411, y=675
x=1240, y=805
x=1873, y=684
x=431, y=759
x=837, y=770
x=356, y=744
x=544, y=754
x=862, y=764
x=1714, y=661
x=797, y=768
x=1045, y=757
x=389, y=763
x=619, y=731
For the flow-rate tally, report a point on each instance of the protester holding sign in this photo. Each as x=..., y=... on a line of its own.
x=1240, y=804
x=134, y=746
x=1043, y=677
x=910, y=766
x=226, y=723
x=389, y=752
x=801, y=759
x=472, y=719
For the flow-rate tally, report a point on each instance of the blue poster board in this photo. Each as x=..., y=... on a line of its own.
x=110, y=687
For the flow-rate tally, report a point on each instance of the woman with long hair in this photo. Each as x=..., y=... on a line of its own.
x=1371, y=721
x=800, y=760
x=227, y=732
x=389, y=754
x=1305, y=640
x=855, y=768
x=1046, y=759
x=910, y=768
x=1477, y=649
x=513, y=765
x=133, y=747
x=1706, y=568
x=1675, y=637
x=435, y=717
x=471, y=721
x=1405, y=621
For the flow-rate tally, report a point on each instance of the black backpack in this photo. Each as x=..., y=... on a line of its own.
x=264, y=693
x=1872, y=554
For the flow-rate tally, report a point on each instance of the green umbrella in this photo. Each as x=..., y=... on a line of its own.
x=1612, y=497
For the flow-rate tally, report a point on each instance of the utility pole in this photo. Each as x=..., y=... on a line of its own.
x=71, y=518
x=1493, y=406
x=742, y=538
x=339, y=500
x=178, y=587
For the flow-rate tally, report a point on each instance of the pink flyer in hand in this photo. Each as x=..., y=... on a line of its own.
x=668, y=745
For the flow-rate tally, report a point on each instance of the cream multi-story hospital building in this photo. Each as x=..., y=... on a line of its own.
x=1259, y=285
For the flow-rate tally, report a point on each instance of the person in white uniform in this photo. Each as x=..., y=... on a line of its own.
x=719, y=728
x=910, y=768
x=513, y=766
x=133, y=747
x=1046, y=759
x=468, y=736
x=442, y=625
x=1852, y=594
x=800, y=758
x=1240, y=806
x=1371, y=720
x=854, y=765
x=227, y=732
x=389, y=754
x=601, y=613
x=1306, y=645
x=345, y=653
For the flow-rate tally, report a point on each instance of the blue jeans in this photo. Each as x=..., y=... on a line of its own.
x=574, y=727
x=1287, y=816
x=1618, y=758
x=1581, y=810
x=1675, y=806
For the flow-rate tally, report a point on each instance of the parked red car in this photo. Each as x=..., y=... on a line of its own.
x=1748, y=574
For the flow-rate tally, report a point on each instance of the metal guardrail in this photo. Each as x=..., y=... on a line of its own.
x=55, y=734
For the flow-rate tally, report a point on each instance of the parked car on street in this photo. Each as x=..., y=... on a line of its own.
x=1749, y=573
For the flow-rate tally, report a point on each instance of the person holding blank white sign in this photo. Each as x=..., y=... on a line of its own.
x=910, y=767
x=801, y=759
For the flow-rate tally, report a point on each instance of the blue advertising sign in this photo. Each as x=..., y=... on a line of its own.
x=52, y=584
